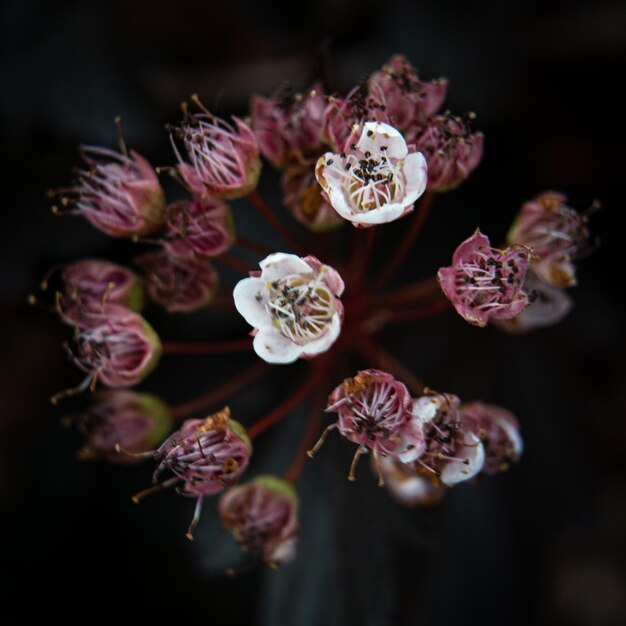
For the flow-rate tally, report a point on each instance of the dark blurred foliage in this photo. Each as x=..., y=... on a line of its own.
x=543, y=544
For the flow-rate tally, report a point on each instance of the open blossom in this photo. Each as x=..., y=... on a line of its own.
x=223, y=159
x=294, y=306
x=287, y=126
x=262, y=515
x=452, y=150
x=547, y=306
x=452, y=452
x=116, y=346
x=485, y=283
x=135, y=421
x=406, y=485
x=90, y=283
x=178, y=284
x=498, y=431
x=119, y=194
x=409, y=102
x=206, y=455
x=377, y=180
x=557, y=235
x=201, y=226
x=374, y=411
x=301, y=195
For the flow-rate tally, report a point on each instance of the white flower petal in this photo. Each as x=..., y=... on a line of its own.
x=250, y=296
x=458, y=471
x=416, y=175
x=273, y=347
x=386, y=213
x=512, y=433
x=382, y=135
x=279, y=265
x=326, y=340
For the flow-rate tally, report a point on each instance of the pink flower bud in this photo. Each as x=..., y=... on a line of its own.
x=199, y=227
x=408, y=101
x=376, y=181
x=452, y=453
x=485, y=283
x=557, y=235
x=116, y=346
x=207, y=455
x=119, y=194
x=178, y=284
x=293, y=305
x=90, y=283
x=262, y=515
x=452, y=151
x=223, y=159
x=547, y=306
x=303, y=198
x=406, y=485
x=498, y=430
x=136, y=422
x=288, y=127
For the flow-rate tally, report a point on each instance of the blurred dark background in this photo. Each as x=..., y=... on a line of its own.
x=542, y=544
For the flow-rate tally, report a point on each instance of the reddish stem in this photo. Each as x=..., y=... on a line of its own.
x=310, y=434
x=237, y=264
x=438, y=306
x=231, y=386
x=419, y=219
x=361, y=257
x=415, y=291
x=274, y=221
x=284, y=407
x=253, y=246
x=207, y=347
x=386, y=361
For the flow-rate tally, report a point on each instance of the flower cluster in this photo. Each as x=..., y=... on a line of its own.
x=380, y=153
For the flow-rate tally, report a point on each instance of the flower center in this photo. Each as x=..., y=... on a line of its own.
x=302, y=309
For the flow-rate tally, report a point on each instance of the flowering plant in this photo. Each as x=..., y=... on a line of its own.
x=379, y=154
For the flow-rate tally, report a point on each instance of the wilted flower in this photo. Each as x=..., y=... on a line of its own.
x=303, y=198
x=406, y=485
x=90, y=283
x=452, y=453
x=136, y=422
x=547, y=306
x=293, y=305
x=201, y=226
x=408, y=101
x=119, y=194
x=116, y=346
x=485, y=283
x=288, y=126
x=451, y=149
x=262, y=515
x=498, y=430
x=223, y=160
x=374, y=411
x=557, y=235
x=178, y=284
x=376, y=181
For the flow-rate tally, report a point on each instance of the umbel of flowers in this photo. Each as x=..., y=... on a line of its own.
x=380, y=153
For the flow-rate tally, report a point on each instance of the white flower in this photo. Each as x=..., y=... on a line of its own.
x=293, y=305
x=376, y=180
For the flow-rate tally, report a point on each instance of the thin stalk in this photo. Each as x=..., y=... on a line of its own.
x=221, y=393
x=394, y=263
x=237, y=264
x=410, y=293
x=361, y=257
x=393, y=317
x=207, y=347
x=274, y=221
x=253, y=246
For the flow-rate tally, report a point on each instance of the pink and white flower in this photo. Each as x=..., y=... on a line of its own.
x=136, y=422
x=294, y=306
x=201, y=226
x=178, y=284
x=498, y=431
x=483, y=282
x=377, y=180
x=223, y=159
x=452, y=453
x=119, y=194
x=557, y=235
x=262, y=515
